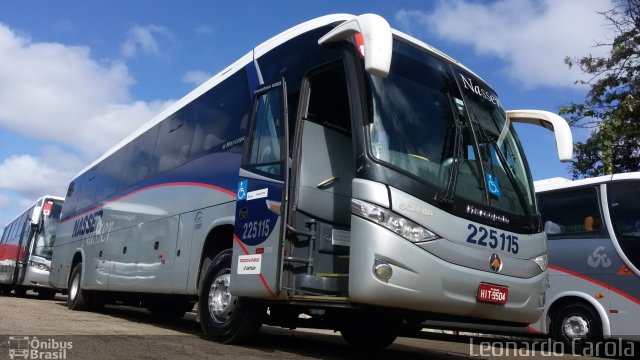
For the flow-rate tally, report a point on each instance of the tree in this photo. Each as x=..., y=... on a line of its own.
x=612, y=105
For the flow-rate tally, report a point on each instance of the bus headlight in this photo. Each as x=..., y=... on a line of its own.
x=542, y=261
x=39, y=266
x=392, y=221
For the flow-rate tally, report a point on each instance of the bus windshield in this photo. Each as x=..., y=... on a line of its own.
x=625, y=217
x=500, y=149
x=45, y=236
x=425, y=122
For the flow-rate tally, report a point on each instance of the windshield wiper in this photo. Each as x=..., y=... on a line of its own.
x=448, y=194
x=491, y=140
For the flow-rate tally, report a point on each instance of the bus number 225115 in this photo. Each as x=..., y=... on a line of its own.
x=492, y=238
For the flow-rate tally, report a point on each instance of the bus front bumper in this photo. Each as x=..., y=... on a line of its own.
x=423, y=282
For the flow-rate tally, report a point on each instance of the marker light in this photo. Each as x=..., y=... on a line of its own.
x=542, y=261
x=360, y=44
x=392, y=221
x=383, y=271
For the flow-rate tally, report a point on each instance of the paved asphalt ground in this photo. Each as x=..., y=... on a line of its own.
x=129, y=333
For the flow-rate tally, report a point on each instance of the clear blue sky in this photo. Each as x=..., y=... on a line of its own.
x=77, y=76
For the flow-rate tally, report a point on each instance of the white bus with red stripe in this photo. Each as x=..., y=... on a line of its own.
x=593, y=227
x=26, y=248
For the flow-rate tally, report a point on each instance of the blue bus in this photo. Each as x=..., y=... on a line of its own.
x=342, y=170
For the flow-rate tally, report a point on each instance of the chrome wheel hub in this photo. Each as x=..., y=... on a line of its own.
x=576, y=327
x=73, y=289
x=221, y=303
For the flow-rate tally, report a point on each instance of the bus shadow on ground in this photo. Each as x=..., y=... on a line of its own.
x=272, y=342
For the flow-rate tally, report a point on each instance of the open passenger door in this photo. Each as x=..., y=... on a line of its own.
x=260, y=208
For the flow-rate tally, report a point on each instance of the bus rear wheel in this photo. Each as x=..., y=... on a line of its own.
x=224, y=317
x=576, y=325
x=78, y=299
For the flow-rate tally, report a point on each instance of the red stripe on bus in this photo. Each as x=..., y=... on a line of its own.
x=532, y=330
x=264, y=282
x=209, y=186
x=599, y=283
x=237, y=239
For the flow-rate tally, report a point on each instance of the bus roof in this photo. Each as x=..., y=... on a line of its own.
x=253, y=55
x=562, y=183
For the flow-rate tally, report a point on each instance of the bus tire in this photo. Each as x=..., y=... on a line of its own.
x=576, y=325
x=46, y=294
x=5, y=290
x=224, y=317
x=77, y=299
x=368, y=331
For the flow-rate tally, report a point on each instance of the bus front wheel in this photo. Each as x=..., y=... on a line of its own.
x=77, y=299
x=576, y=325
x=224, y=317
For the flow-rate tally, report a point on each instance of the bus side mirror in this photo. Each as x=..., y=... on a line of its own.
x=550, y=121
x=377, y=38
x=35, y=216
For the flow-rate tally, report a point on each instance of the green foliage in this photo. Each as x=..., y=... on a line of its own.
x=612, y=106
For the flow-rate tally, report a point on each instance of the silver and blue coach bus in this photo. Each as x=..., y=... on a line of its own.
x=342, y=170
x=593, y=226
x=26, y=247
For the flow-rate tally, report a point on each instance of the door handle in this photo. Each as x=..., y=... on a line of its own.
x=156, y=245
x=327, y=182
x=124, y=250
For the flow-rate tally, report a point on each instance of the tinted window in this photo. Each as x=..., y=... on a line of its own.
x=267, y=135
x=88, y=182
x=26, y=223
x=174, y=140
x=571, y=212
x=4, y=234
x=20, y=226
x=8, y=231
x=137, y=163
x=329, y=101
x=625, y=216
x=221, y=117
x=70, y=200
x=110, y=175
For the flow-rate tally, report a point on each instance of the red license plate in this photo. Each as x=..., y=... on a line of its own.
x=493, y=293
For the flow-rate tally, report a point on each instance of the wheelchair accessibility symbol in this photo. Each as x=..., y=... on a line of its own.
x=242, y=189
x=492, y=183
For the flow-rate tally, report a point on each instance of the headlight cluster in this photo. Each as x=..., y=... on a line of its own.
x=392, y=221
x=542, y=261
x=39, y=266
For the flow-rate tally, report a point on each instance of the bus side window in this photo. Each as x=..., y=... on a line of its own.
x=221, y=117
x=574, y=212
x=87, y=193
x=174, y=140
x=70, y=200
x=138, y=159
x=110, y=175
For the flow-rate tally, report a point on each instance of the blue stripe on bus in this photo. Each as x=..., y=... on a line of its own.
x=216, y=172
